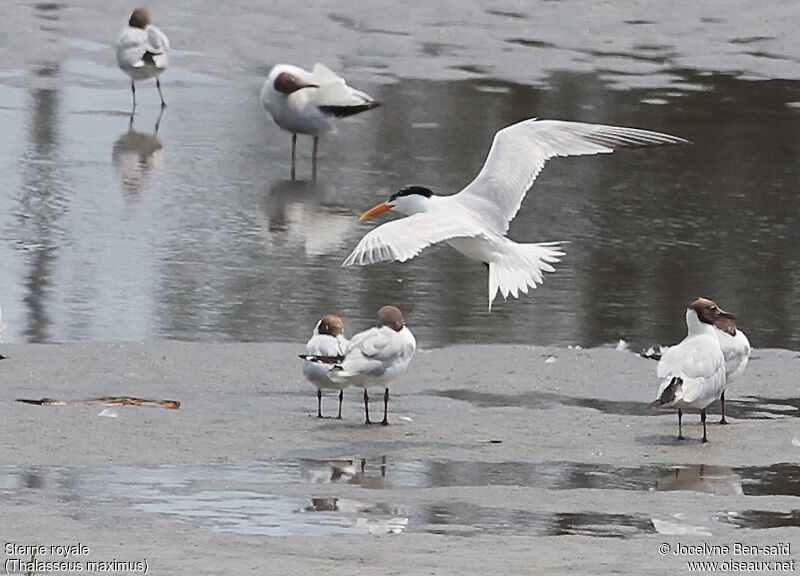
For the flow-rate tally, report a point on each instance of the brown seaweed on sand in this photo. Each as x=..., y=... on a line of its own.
x=105, y=401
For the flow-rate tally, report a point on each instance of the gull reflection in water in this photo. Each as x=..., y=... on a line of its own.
x=326, y=471
x=343, y=472
x=378, y=518
x=299, y=213
x=717, y=480
x=136, y=155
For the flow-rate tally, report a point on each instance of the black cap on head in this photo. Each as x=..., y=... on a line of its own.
x=410, y=190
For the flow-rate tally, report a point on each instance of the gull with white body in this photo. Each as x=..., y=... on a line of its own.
x=303, y=102
x=377, y=356
x=475, y=220
x=327, y=341
x=692, y=373
x=143, y=51
x=736, y=350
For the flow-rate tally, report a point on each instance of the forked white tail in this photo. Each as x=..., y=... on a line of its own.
x=521, y=266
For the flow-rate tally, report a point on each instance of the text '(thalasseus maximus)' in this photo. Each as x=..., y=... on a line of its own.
x=692, y=373
x=475, y=220
x=303, y=102
x=142, y=51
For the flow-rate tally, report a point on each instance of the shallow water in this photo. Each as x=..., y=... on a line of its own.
x=746, y=408
x=262, y=498
x=110, y=231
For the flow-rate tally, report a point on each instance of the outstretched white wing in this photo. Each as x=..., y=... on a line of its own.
x=519, y=152
x=404, y=238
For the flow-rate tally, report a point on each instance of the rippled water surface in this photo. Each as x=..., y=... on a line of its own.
x=320, y=497
x=113, y=231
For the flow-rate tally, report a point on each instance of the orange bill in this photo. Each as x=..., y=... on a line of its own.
x=375, y=210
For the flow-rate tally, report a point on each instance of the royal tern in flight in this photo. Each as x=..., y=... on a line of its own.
x=327, y=341
x=692, y=373
x=736, y=350
x=377, y=356
x=475, y=220
x=303, y=102
x=142, y=51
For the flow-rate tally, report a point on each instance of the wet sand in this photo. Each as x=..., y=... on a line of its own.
x=499, y=459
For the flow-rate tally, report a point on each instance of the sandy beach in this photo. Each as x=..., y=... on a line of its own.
x=500, y=459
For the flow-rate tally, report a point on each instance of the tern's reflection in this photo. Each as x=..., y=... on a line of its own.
x=136, y=155
x=298, y=213
x=719, y=480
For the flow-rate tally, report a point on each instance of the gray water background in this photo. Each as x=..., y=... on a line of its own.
x=196, y=233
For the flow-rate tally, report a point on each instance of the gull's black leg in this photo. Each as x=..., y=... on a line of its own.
x=703, y=420
x=366, y=406
x=160, y=95
x=385, y=421
x=314, y=158
x=294, y=146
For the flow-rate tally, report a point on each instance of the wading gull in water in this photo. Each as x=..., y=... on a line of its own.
x=142, y=51
x=303, y=102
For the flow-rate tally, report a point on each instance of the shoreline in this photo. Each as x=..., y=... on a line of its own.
x=507, y=461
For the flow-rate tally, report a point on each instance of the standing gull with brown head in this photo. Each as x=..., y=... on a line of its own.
x=142, y=51
x=327, y=344
x=692, y=373
x=377, y=356
x=475, y=220
x=303, y=102
x=736, y=350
